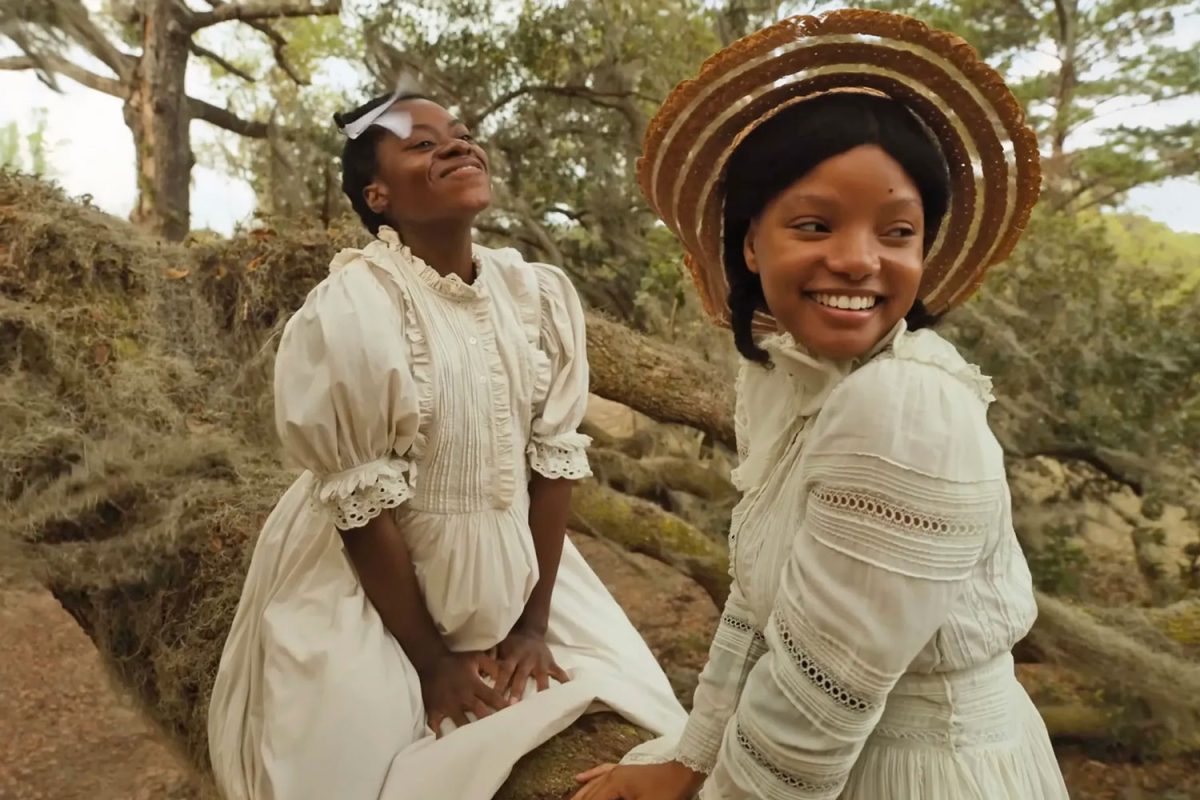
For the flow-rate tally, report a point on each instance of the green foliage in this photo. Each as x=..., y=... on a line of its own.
x=1057, y=565
x=25, y=152
x=562, y=94
x=1092, y=362
x=1081, y=67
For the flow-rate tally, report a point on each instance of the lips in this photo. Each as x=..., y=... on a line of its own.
x=464, y=164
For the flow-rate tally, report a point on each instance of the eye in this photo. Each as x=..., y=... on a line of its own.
x=467, y=137
x=811, y=226
x=900, y=232
x=424, y=144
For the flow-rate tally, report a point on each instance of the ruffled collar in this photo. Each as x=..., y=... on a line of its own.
x=775, y=402
x=450, y=286
x=814, y=376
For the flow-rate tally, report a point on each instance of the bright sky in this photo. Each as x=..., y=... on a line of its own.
x=91, y=153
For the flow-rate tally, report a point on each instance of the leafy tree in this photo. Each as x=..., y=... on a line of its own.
x=1087, y=72
x=51, y=34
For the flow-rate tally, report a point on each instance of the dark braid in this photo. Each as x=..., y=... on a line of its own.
x=745, y=298
x=359, y=163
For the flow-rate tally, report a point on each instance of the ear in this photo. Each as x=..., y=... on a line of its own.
x=748, y=254
x=376, y=195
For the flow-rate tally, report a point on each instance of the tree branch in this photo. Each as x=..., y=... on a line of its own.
x=278, y=43
x=91, y=80
x=604, y=99
x=227, y=120
x=1094, y=459
x=221, y=62
x=254, y=10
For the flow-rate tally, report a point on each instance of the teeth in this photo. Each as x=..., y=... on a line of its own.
x=850, y=303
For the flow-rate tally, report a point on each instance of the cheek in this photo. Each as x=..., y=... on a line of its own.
x=903, y=276
x=784, y=272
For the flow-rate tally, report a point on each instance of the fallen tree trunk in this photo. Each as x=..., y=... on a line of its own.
x=663, y=382
x=649, y=478
x=643, y=527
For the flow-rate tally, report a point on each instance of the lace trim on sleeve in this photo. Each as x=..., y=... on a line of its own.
x=814, y=789
x=902, y=521
x=357, y=496
x=820, y=677
x=563, y=456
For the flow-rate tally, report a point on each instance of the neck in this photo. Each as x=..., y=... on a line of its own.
x=444, y=246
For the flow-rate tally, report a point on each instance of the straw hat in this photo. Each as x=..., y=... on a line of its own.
x=992, y=155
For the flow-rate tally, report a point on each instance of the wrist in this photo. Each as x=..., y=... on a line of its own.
x=694, y=779
x=426, y=663
x=532, y=625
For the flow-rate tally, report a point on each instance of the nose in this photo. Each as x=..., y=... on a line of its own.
x=454, y=148
x=853, y=254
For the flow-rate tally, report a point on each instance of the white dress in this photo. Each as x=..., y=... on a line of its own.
x=403, y=391
x=864, y=651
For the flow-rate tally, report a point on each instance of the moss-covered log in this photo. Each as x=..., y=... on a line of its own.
x=643, y=527
x=650, y=478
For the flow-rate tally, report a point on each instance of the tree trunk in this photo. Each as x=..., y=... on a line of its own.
x=156, y=111
x=1057, y=169
x=661, y=381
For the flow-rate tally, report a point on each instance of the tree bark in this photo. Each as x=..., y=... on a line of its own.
x=643, y=527
x=661, y=381
x=158, y=113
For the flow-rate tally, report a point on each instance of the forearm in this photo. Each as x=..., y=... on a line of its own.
x=549, y=506
x=385, y=569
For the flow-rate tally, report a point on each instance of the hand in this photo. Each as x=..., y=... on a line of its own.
x=669, y=781
x=522, y=655
x=453, y=685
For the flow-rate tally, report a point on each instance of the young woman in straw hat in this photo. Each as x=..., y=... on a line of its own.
x=837, y=183
x=416, y=577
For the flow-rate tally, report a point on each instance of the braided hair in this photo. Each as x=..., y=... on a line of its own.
x=359, y=163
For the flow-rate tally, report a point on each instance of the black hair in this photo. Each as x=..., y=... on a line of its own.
x=358, y=158
x=791, y=144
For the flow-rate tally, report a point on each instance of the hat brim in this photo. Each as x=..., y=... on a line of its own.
x=979, y=125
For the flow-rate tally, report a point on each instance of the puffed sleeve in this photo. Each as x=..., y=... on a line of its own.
x=345, y=400
x=904, y=489
x=556, y=448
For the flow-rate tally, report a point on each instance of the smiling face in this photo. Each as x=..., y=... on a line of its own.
x=839, y=252
x=435, y=174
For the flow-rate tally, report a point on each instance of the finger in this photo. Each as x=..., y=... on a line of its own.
x=542, y=677
x=487, y=694
x=595, y=772
x=520, y=678
x=460, y=718
x=559, y=674
x=481, y=710
x=504, y=677
x=435, y=722
x=487, y=666
x=602, y=789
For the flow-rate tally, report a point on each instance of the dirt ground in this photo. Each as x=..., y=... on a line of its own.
x=67, y=733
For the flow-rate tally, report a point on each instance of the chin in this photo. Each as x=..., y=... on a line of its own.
x=834, y=344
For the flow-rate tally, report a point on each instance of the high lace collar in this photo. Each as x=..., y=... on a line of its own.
x=816, y=376
x=450, y=286
x=775, y=403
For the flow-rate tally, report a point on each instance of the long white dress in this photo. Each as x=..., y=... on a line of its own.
x=865, y=649
x=402, y=391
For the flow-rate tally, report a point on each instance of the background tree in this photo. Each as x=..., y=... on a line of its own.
x=54, y=34
x=1088, y=72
